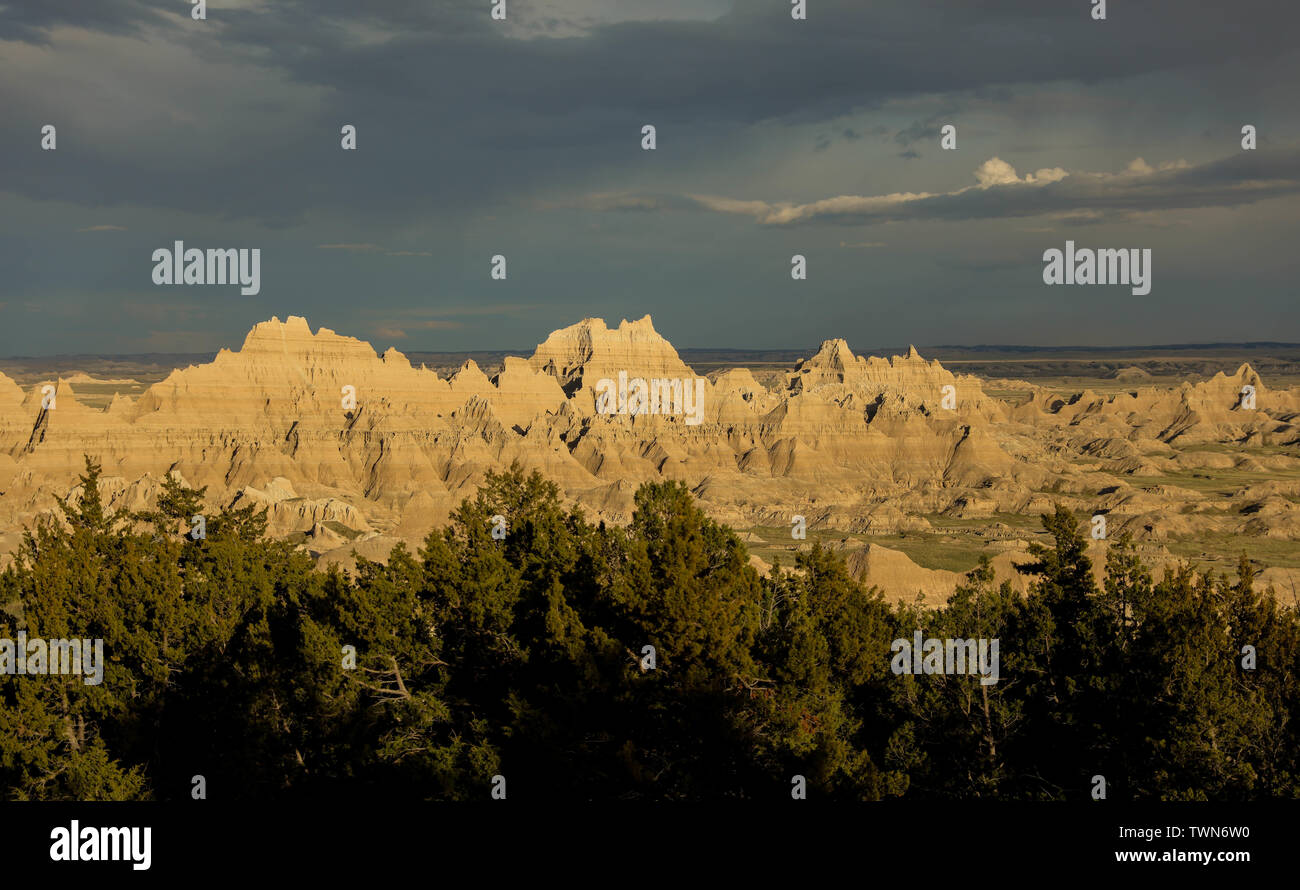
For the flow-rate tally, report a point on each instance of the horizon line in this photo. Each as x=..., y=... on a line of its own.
x=811, y=350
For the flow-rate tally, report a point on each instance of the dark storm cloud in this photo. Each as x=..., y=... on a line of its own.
x=756, y=63
x=445, y=101
x=926, y=129
x=476, y=138
x=32, y=20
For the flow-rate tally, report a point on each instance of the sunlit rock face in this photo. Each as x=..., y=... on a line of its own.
x=345, y=447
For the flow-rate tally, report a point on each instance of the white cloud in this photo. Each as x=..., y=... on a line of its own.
x=1137, y=192
x=996, y=171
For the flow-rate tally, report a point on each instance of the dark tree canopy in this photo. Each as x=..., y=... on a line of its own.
x=583, y=661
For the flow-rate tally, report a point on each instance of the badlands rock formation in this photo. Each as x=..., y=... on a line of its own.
x=864, y=446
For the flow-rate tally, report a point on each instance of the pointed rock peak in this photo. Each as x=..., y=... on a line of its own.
x=642, y=322
x=579, y=335
x=119, y=403
x=266, y=332
x=392, y=356
x=1245, y=372
x=470, y=376
x=590, y=349
x=62, y=389
x=914, y=363
x=737, y=378
x=833, y=354
x=293, y=340
x=295, y=326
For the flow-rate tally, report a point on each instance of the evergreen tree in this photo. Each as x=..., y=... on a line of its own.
x=526, y=656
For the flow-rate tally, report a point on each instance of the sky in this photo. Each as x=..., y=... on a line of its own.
x=522, y=137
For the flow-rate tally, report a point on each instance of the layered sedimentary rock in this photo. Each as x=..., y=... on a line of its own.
x=344, y=446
